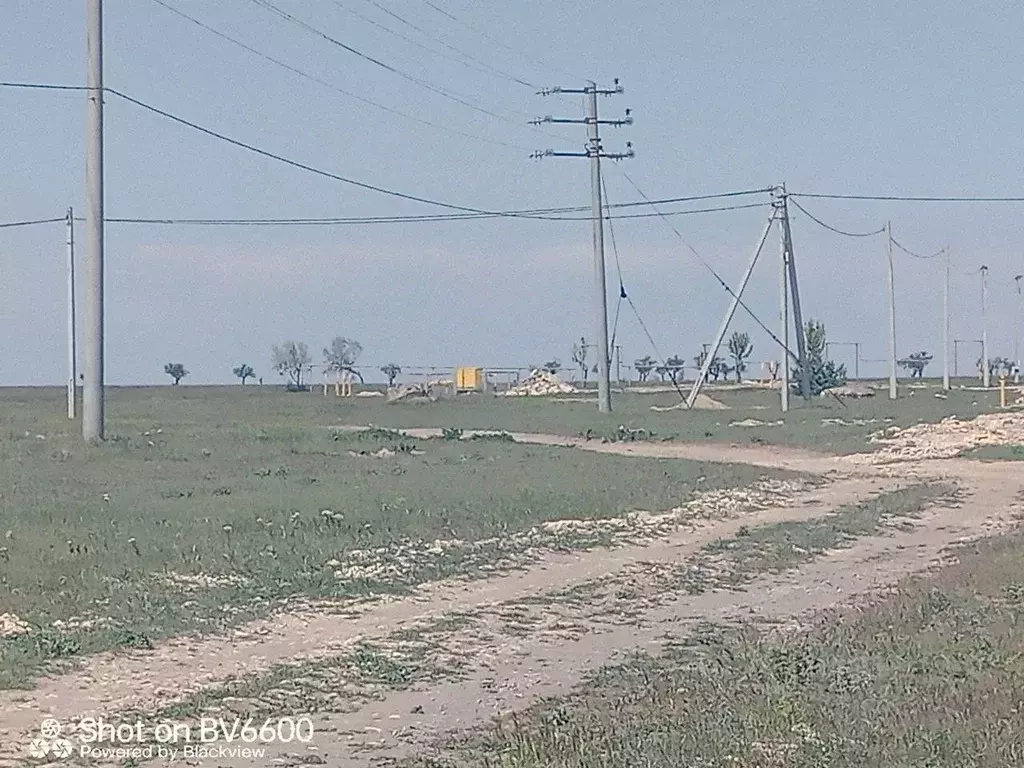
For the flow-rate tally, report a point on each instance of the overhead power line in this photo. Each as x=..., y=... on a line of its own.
x=384, y=190
x=43, y=86
x=838, y=231
x=294, y=163
x=909, y=198
x=320, y=81
x=354, y=220
x=459, y=51
x=463, y=60
x=912, y=253
x=537, y=63
x=10, y=224
x=707, y=265
x=441, y=91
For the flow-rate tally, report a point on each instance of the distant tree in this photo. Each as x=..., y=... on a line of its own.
x=291, y=359
x=998, y=366
x=244, y=372
x=579, y=356
x=915, y=363
x=825, y=374
x=673, y=369
x=719, y=369
x=392, y=371
x=342, y=356
x=644, y=366
x=699, y=359
x=552, y=366
x=176, y=371
x=740, y=348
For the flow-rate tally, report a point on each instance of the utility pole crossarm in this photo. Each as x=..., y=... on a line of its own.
x=583, y=121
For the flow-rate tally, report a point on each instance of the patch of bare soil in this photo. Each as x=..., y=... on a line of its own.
x=703, y=402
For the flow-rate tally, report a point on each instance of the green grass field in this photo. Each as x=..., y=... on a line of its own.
x=823, y=423
x=931, y=675
x=208, y=507
x=211, y=505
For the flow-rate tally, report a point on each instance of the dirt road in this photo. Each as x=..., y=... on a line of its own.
x=629, y=604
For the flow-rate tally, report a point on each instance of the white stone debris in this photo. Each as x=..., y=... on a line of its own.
x=946, y=439
x=538, y=384
x=12, y=625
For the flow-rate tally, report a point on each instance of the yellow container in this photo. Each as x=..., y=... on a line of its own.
x=469, y=378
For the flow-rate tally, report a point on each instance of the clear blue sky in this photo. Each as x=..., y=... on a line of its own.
x=873, y=97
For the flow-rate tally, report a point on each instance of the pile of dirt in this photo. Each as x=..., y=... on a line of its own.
x=538, y=384
x=12, y=625
x=702, y=402
x=947, y=439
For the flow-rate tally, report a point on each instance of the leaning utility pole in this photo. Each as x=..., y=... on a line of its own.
x=72, y=352
x=710, y=352
x=985, y=373
x=92, y=353
x=595, y=152
x=945, y=325
x=892, y=315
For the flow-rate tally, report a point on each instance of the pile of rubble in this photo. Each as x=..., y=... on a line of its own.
x=850, y=390
x=420, y=391
x=947, y=439
x=538, y=384
x=12, y=625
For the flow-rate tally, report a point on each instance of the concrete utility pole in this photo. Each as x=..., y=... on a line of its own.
x=798, y=318
x=595, y=152
x=72, y=351
x=985, y=374
x=892, y=315
x=784, y=317
x=92, y=353
x=1018, y=321
x=945, y=325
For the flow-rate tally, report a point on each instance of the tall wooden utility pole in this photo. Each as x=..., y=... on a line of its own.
x=595, y=152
